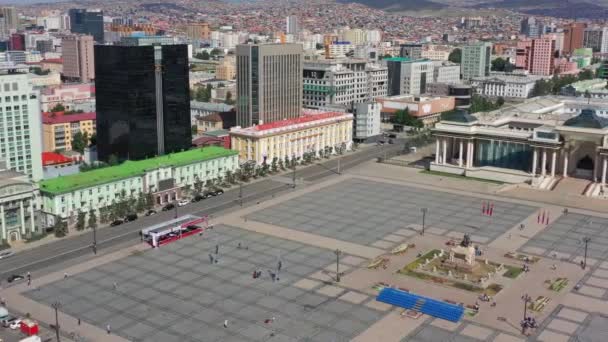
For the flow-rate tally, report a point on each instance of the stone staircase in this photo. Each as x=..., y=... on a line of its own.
x=573, y=186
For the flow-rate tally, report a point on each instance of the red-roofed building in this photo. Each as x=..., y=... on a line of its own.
x=55, y=159
x=314, y=132
x=71, y=96
x=59, y=128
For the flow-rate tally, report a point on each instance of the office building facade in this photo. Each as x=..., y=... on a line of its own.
x=343, y=82
x=530, y=27
x=291, y=25
x=11, y=17
x=596, y=38
x=78, y=58
x=574, y=35
x=20, y=136
x=411, y=51
x=408, y=77
x=536, y=56
x=143, y=100
x=88, y=22
x=476, y=60
x=269, y=83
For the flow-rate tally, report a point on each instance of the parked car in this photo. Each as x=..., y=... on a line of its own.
x=116, y=223
x=392, y=136
x=6, y=254
x=15, y=277
x=16, y=324
x=216, y=192
x=198, y=197
x=130, y=217
x=391, y=141
x=182, y=202
x=168, y=207
x=7, y=320
x=150, y=212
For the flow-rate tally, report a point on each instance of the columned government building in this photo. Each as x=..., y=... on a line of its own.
x=539, y=141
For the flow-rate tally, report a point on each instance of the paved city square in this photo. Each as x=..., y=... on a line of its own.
x=363, y=211
x=175, y=294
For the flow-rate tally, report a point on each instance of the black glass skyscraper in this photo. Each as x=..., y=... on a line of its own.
x=87, y=22
x=143, y=100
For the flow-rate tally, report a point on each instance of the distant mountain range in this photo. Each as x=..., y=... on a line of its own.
x=594, y=9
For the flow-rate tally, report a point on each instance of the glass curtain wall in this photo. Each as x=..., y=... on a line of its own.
x=503, y=154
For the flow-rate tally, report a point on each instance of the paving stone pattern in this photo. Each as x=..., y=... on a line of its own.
x=565, y=234
x=363, y=211
x=174, y=293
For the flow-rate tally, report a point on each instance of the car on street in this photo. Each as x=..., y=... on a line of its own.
x=130, y=217
x=8, y=320
x=391, y=141
x=150, y=212
x=216, y=192
x=116, y=223
x=16, y=324
x=199, y=197
x=182, y=202
x=15, y=277
x=169, y=207
x=6, y=254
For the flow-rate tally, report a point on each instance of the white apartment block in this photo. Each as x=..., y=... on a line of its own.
x=20, y=133
x=506, y=86
x=476, y=60
x=367, y=120
x=339, y=49
x=342, y=82
x=409, y=77
x=446, y=72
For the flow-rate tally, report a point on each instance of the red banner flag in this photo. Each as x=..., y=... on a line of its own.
x=547, y=221
x=483, y=208
x=543, y=217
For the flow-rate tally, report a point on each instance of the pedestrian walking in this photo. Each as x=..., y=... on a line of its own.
x=280, y=265
x=217, y=249
x=109, y=329
x=211, y=258
x=65, y=275
x=225, y=323
x=78, y=321
x=115, y=286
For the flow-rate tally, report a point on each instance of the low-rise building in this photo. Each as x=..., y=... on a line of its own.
x=446, y=72
x=407, y=76
x=367, y=121
x=595, y=88
x=162, y=177
x=69, y=96
x=226, y=69
x=426, y=109
x=339, y=49
x=58, y=129
x=512, y=86
x=313, y=132
x=19, y=205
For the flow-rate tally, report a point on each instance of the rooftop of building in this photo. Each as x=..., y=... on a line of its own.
x=308, y=116
x=406, y=60
x=53, y=158
x=210, y=106
x=130, y=169
x=53, y=118
x=217, y=133
x=594, y=84
x=510, y=78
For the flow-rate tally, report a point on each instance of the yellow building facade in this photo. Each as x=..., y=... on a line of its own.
x=58, y=131
x=314, y=131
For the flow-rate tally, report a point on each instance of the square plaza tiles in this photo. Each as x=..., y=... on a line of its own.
x=564, y=238
x=175, y=293
x=363, y=211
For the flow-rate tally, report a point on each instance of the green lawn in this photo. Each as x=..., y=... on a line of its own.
x=512, y=272
x=450, y=175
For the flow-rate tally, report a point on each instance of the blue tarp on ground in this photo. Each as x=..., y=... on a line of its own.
x=425, y=305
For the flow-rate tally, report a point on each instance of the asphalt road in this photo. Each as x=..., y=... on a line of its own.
x=66, y=249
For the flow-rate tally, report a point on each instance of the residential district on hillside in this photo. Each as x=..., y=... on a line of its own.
x=301, y=171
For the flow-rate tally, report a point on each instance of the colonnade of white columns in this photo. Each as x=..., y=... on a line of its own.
x=442, y=145
x=544, y=156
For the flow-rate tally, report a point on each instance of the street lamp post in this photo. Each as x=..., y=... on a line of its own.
x=94, y=240
x=527, y=299
x=586, y=240
x=56, y=306
x=293, y=158
x=241, y=194
x=423, y=210
x=338, y=253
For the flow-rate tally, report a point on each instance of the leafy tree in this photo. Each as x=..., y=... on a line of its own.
x=92, y=219
x=500, y=101
x=61, y=228
x=104, y=214
x=149, y=201
x=141, y=203
x=204, y=55
x=502, y=65
x=58, y=108
x=112, y=160
x=281, y=164
x=455, y=56
x=274, y=167
x=216, y=52
x=194, y=130
x=287, y=162
x=80, y=141
x=403, y=117
x=209, y=184
x=229, y=176
x=585, y=75
x=93, y=139
x=198, y=185
x=229, y=100
x=481, y=104
x=80, y=221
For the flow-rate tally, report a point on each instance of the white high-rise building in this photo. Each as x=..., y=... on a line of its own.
x=476, y=60
x=355, y=36
x=446, y=72
x=367, y=120
x=20, y=136
x=292, y=26
x=342, y=82
x=407, y=76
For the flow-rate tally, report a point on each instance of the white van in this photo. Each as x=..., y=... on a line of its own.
x=33, y=338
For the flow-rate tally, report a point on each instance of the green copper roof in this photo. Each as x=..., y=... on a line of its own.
x=130, y=169
x=405, y=59
x=587, y=119
x=459, y=116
